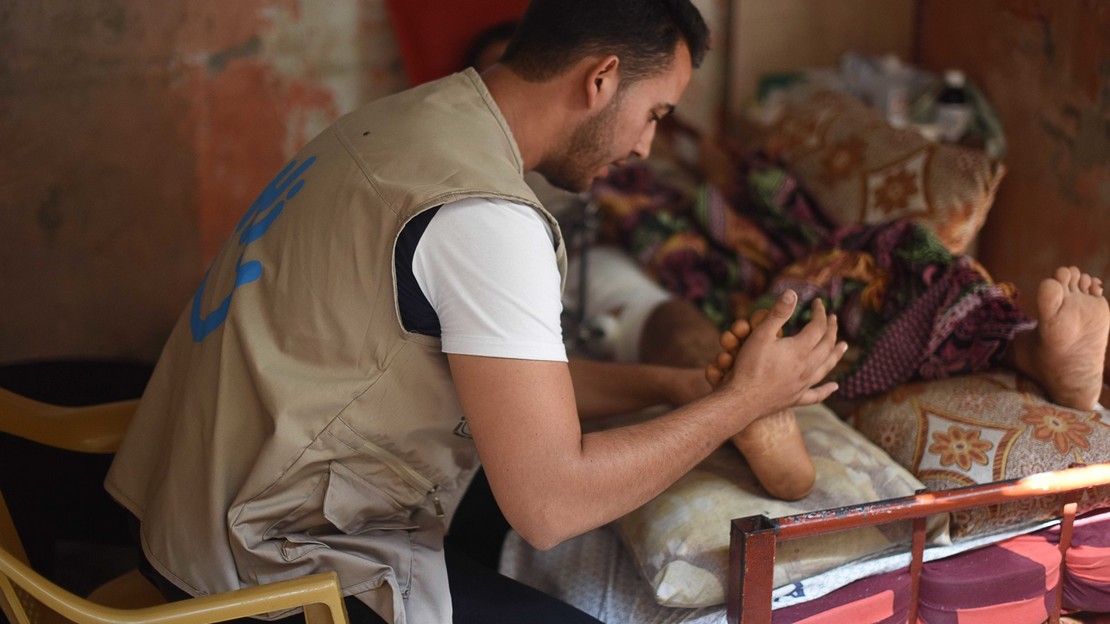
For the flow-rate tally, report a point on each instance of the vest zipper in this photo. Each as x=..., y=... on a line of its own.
x=435, y=501
x=407, y=474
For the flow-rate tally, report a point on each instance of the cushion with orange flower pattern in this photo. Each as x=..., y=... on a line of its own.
x=982, y=428
x=860, y=169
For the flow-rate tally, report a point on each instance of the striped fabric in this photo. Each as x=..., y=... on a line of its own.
x=1087, y=565
x=883, y=598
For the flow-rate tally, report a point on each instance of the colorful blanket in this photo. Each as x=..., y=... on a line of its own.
x=913, y=309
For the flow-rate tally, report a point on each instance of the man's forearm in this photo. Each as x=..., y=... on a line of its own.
x=616, y=470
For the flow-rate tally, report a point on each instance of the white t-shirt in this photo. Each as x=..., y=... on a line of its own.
x=487, y=267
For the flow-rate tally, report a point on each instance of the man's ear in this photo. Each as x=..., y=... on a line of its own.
x=602, y=80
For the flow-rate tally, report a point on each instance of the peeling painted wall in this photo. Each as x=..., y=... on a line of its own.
x=137, y=133
x=1045, y=64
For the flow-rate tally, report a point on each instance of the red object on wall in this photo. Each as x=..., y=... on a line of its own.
x=435, y=35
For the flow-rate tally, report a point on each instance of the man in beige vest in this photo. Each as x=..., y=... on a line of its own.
x=386, y=314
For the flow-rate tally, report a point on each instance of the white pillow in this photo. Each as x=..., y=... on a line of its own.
x=680, y=540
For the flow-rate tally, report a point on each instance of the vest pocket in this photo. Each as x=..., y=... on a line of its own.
x=294, y=547
x=355, y=505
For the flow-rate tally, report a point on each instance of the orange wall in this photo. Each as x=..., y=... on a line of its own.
x=137, y=133
x=1045, y=64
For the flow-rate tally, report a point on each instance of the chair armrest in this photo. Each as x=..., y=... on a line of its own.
x=318, y=593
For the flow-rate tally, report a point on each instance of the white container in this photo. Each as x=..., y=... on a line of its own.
x=891, y=93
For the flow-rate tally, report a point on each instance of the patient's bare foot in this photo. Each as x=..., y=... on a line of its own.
x=1067, y=352
x=776, y=452
x=772, y=445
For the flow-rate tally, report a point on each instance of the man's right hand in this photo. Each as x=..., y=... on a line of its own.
x=773, y=373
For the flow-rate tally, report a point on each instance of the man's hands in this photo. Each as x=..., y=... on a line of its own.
x=776, y=373
x=553, y=481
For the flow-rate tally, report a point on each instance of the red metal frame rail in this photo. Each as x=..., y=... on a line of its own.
x=753, y=538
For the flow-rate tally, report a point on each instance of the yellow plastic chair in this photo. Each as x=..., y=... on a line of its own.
x=29, y=598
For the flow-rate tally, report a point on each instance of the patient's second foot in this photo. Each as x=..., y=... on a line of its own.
x=1067, y=352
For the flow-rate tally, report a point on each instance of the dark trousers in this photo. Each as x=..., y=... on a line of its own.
x=479, y=594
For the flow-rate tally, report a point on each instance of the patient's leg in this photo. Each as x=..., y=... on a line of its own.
x=678, y=334
x=1067, y=351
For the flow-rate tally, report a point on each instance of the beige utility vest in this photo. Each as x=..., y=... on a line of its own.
x=292, y=426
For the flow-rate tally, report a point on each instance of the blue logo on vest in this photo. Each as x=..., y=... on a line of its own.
x=251, y=227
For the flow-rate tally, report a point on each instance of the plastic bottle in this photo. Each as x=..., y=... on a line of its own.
x=953, y=108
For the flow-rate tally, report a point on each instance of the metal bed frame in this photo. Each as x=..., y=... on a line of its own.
x=754, y=538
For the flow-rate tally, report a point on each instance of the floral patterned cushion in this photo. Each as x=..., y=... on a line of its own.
x=982, y=428
x=860, y=169
x=680, y=540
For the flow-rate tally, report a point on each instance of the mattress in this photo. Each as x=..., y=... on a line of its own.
x=883, y=598
x=1005, y=583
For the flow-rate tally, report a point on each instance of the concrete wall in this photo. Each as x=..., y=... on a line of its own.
x=1045, y=64
x=137, y=133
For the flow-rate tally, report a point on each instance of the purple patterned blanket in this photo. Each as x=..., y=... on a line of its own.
x=913, y=309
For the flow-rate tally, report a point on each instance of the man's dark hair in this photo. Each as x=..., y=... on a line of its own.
x=553, y=35
x=498, y=33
